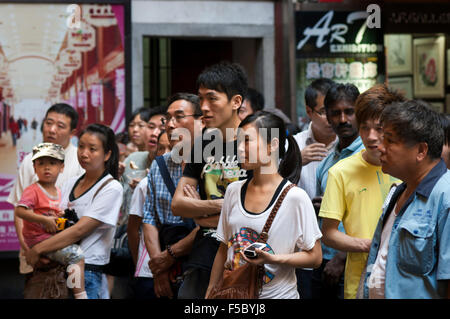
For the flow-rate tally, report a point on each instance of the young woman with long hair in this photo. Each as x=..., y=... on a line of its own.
x=293, y=239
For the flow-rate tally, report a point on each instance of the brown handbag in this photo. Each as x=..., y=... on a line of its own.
x=245, y=282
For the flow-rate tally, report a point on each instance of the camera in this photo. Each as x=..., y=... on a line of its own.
x=70, y=218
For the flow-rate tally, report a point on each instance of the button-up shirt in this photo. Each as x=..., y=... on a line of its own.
x=308, y=176
x=418, y=258
x=159, y=199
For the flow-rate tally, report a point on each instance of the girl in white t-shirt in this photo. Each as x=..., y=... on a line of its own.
x=96, y=198
x=293, y=240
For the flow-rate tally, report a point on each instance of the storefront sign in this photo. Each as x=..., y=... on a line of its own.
x=336, y=32
x=416, y=18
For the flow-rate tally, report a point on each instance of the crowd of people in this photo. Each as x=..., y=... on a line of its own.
x=180, y=196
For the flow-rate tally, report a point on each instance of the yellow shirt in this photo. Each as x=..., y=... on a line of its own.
x=354, y=194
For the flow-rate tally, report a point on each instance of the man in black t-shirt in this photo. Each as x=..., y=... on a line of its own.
x=214, y=165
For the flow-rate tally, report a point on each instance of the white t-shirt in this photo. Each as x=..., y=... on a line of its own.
x=294, y=228
x=378, y=276
x=137, y=208
x=105, y=208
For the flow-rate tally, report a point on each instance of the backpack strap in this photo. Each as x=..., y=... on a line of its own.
x=165, y=174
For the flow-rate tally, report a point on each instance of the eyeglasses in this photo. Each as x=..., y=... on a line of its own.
x=322, y=112
x=178, y=118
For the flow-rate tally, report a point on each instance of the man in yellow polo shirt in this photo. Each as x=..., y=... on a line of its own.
x=356, y=189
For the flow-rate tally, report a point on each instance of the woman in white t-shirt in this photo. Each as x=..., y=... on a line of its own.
x=294, y=235
x=96, y=198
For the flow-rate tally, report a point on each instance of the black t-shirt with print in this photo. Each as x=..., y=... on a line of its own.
x=214, y=164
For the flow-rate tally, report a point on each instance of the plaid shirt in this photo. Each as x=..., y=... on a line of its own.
x=159, y=199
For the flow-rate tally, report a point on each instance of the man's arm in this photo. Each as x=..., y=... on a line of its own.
x=161, y=279
x=333, y=238
x=134, y=224
x=163, y=261
x=189, y=207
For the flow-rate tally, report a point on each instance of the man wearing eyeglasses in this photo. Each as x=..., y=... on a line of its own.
x=153, y=266
x=319, y=139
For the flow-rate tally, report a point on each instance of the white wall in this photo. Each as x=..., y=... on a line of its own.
x=216, y=12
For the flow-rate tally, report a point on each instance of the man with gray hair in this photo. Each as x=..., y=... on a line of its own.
x=410, y=252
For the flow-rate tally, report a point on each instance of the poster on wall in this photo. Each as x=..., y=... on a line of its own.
x=62, y=52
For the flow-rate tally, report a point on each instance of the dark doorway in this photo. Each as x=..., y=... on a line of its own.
x=173, y=65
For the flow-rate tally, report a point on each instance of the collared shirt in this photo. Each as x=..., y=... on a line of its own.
x=322, y=177
x=308, y=176
x=159, y=199
x=334, y=157
x=418, y=259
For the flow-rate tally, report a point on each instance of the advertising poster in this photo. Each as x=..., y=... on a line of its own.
x=51, y=53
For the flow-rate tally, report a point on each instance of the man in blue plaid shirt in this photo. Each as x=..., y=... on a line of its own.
x=182, y=119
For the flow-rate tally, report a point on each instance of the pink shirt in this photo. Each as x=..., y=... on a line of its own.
x=36, y=198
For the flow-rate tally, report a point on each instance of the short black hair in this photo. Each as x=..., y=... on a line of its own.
x=225, y=77
x=147, y=113
x=143, y=112
x=157, y=110
x=191, y=98
x=256, y=99
x=66, y=109
x=415, y=122
x=341, y=92
x=317, y=86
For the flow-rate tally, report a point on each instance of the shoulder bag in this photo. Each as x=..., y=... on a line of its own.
x=245, y=282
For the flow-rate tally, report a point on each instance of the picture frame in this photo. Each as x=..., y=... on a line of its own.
x=398, y=54
x=437, y=106
x=429, y=81
x=448, y=67
x=402, y=85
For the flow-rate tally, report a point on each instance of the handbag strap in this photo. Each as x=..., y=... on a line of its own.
x=103, y=185
x=265, y=232
x=165, y=174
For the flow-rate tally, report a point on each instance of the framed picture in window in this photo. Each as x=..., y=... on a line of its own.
x=403, y=85
x=399, y=54
x=429, y=81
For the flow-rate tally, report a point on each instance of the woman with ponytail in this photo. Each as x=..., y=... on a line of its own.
x=293, y=238
x=96, y=197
